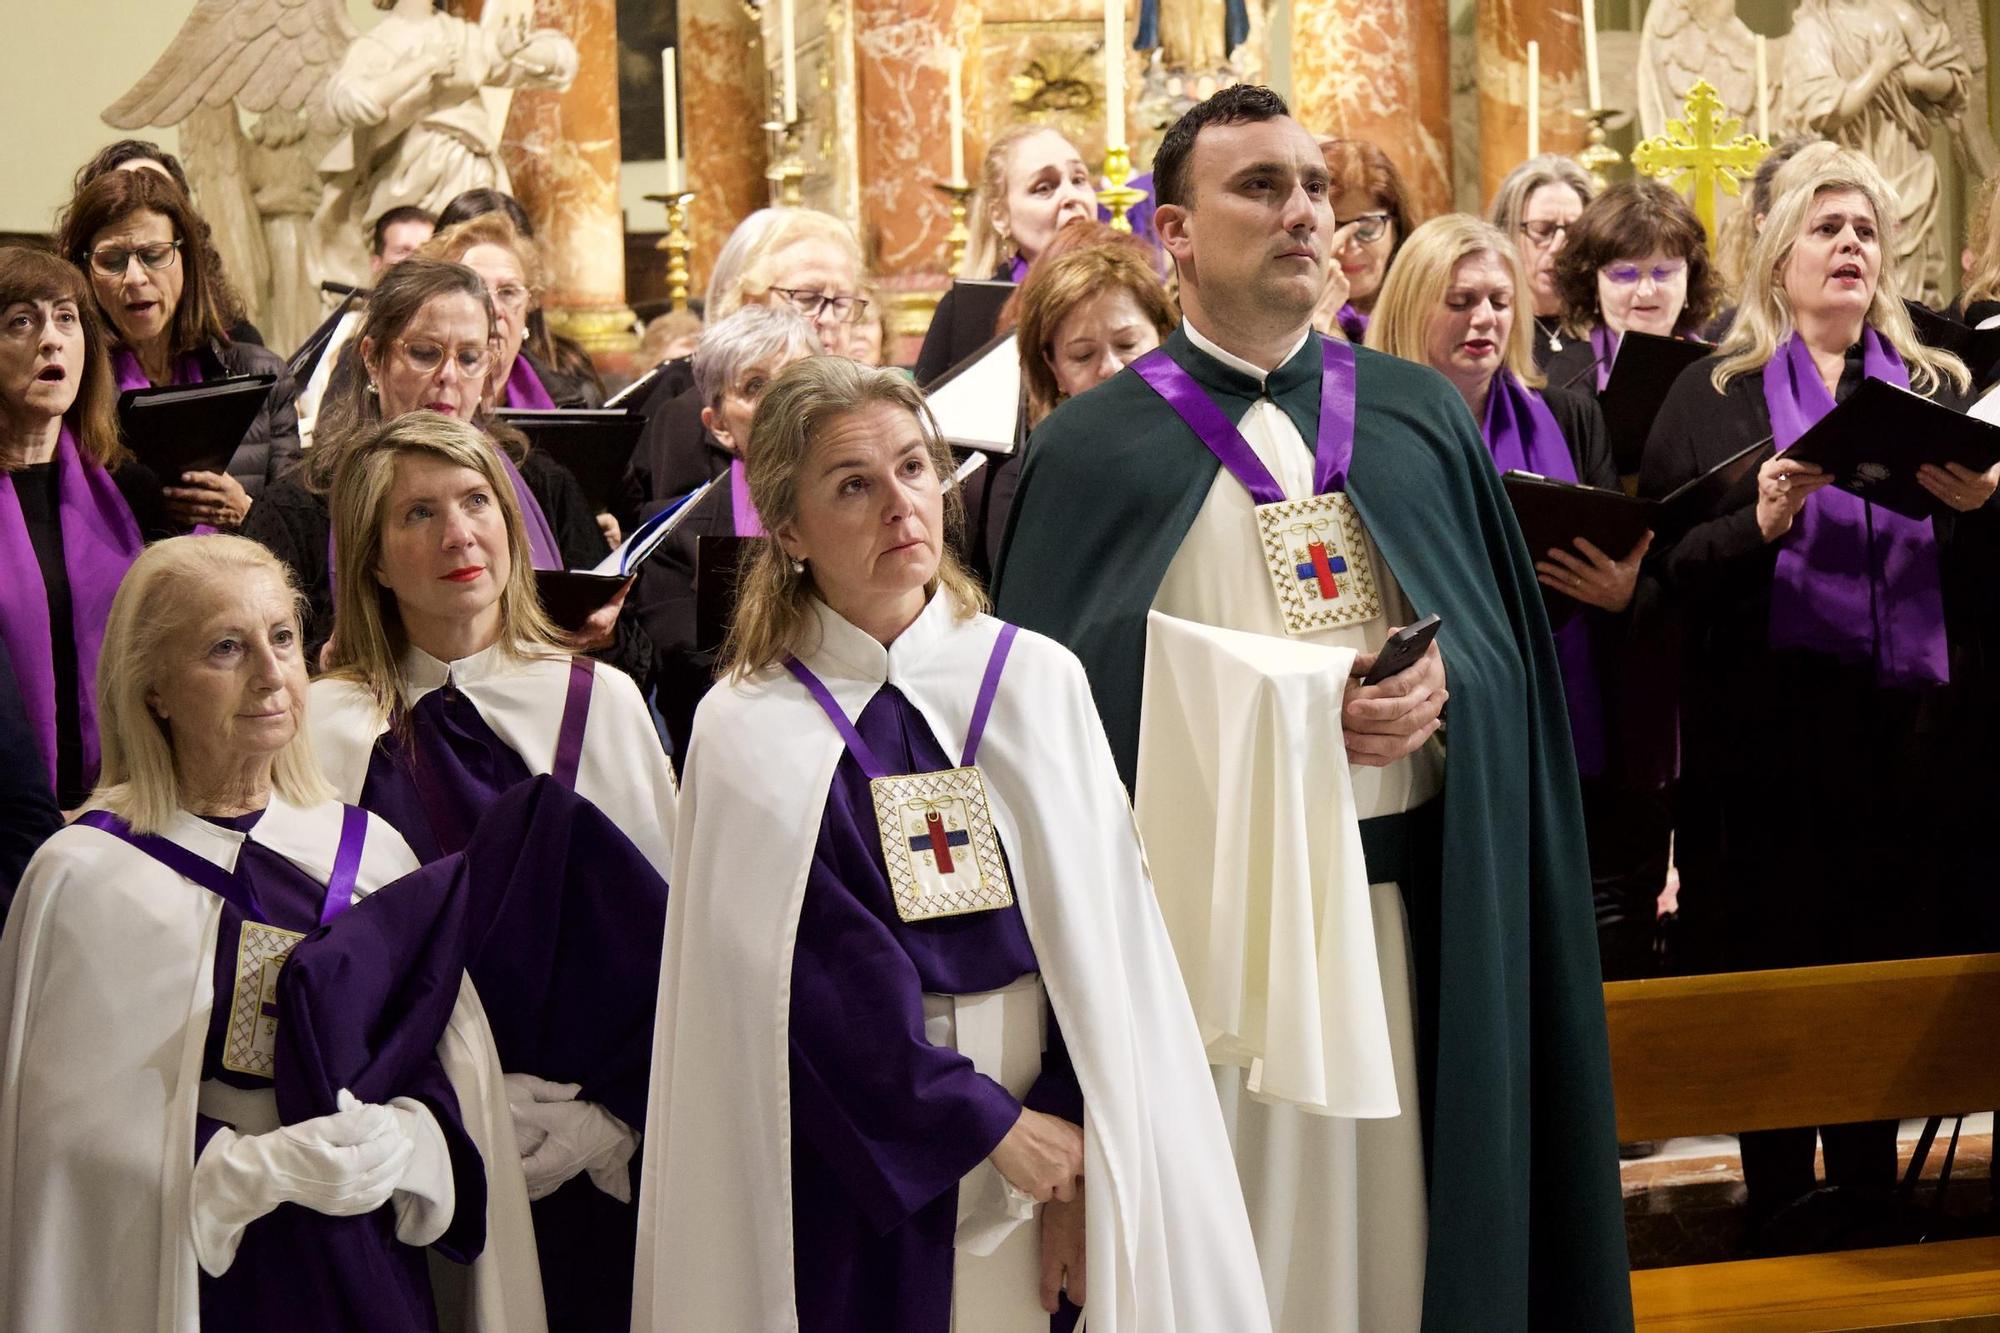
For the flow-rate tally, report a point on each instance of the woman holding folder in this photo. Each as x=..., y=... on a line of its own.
x=1815, y=643
x=1456, y=299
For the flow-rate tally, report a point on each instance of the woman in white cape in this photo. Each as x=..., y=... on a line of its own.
x=929, y=1069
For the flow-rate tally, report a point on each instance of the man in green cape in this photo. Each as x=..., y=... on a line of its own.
x=1119, y=512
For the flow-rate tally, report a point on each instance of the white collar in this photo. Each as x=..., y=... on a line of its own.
x=423, y=673
x=848, y=651
x=284, y=828
x=1233, y=361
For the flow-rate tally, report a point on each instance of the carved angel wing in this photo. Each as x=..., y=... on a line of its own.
x=258, y=54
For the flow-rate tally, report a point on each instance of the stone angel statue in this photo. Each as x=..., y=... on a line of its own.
x=1686, y=41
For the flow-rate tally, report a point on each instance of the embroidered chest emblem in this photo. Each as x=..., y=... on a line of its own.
x=251, y=1046
x=1317, y=559
x=939, y=844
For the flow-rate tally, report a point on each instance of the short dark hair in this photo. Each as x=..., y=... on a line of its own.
x=483, y=200
x=1633, y=218
x=117, y=153
x=1238, y=104
x=396, y=217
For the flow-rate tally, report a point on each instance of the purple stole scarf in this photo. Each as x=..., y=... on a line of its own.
x=1604, y=346
x=1854, y=580
x=100, y=542
x=1352, y=322
x=524, y=388
x=1523, y=436
x=1017, y=269
x=741, y=510
x=125, y=363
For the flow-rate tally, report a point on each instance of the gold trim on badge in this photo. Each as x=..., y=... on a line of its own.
x=251, y=1046
x=938, y=844
x=1321, y=536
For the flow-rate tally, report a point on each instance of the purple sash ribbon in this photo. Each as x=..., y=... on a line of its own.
x=741, y=510
x=1352, y=322
x=524, y=388
x=1853, y=580
x=1524, y=436
x=576, y=713
x=100, y=541
x=1604, y=346
x=1331, y=455
x=227, y=884
x=989, y=686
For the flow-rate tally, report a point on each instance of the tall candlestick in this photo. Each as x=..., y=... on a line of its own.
x=954, y=72
x=1534, y=99
x=788, y=67
x=1763, y=93
x=670, y=96
x=1590, y=54
x=1114, y=72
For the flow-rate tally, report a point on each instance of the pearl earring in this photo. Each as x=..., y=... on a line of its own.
x=798, y=566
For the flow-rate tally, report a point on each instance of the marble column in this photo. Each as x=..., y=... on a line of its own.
x=1505, y=27
x=562, y=151
x=1366, y=69
x=722, y=114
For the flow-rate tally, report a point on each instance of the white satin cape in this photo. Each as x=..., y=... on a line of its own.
x=1168, y=1241
x=106, y=972
x=623, y=771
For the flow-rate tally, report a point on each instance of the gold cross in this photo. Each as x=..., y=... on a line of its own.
x=1713, y=154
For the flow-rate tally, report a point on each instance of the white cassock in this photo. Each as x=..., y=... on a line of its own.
x=1168, y=1247
x=622, y=769
x=1298, y=968
x=107, y=978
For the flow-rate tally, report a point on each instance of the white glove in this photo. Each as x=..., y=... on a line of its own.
x=426, y=1196
x=343, y=1165
x=559, y=1136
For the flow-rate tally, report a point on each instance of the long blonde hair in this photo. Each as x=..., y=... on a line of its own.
x=159, y=599
x=1983, y=239
x=368, y=635
x=1764, y=317
x=773, y=602
x=989, y=197
x=1412, y=296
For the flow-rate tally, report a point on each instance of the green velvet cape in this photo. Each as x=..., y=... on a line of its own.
x=1527, y=1224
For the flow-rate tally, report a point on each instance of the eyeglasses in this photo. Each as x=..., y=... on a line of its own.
x=1370, y=228
x=846, y=309
x=1542, y=233
x=425, y=357
x=512, y=296
x=1624, y=275
x=112, y=261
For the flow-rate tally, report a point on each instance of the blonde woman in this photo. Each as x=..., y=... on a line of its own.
x=1815, y=634
x=150, y=933
x=447, y=688
x=920, y=1158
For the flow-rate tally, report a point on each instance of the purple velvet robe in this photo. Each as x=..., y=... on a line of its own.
x=296, y=1268
x=884, y=1124
x=434, y=778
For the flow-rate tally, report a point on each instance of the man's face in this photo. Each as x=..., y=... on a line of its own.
x=400, y=240
x=1258, y=219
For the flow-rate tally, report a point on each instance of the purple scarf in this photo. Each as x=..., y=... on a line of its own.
x=1352, y=322
x=524, y=388
x=100, y=542
x=1604, y=346
x=1855, y=581
x=125, y=362
x=1017, y=269
x=747, y=522
x=1523, y=436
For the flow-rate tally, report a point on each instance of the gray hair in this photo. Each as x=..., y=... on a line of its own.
x=741, y=267
x=753, y=334
x=1510, y=201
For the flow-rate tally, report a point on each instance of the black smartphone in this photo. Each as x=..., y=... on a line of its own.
x=1402, y=650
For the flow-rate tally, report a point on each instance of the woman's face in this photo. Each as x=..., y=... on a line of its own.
x=1646, y=292
x=233, y=687
x=441, y=361
x=1545, y=221
x=444, y=543
x=1467, y=339
x=730, y=423
x=1098, y=338
x=1364, y=262
x=870, y=520
x=816, y=278
x=41, y=358
x=1837, y=259
x=139, y=301
x=512, y=301
x=1047, y=186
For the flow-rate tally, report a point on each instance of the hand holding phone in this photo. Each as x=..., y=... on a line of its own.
x=1403, y=649
x=1383, y=718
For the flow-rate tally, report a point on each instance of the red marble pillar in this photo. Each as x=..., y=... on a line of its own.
x=722, y=112
x=1505, y=28
x=1382, y=72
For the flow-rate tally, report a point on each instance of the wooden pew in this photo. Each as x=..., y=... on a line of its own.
x=1810, y=1046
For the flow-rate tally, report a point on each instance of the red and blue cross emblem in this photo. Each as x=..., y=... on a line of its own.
x=938, y=841
x=1319, y=567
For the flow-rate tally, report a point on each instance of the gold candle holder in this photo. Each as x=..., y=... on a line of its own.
x=1597, y=155
x=677, y=244
x=787, y=172
x=1118, y=196
x=960, y=236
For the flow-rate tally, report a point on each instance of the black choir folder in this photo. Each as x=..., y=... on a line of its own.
x=1874, y=443
x=595, y=444
x=180, y=428
x=1645, y=370
x=572, y=596
x=1553, y=514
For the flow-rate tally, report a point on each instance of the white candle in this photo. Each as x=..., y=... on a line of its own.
x=1114, y=73
x=954, y=71
x=1534, y=99
x=788, y=69
x=670, y=95
x=1590, y=55
x=1763, y=92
